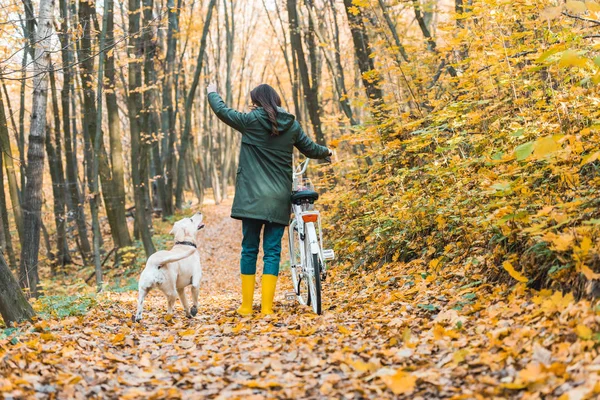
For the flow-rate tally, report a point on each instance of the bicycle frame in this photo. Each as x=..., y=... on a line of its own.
x=299, y=219
x=306, y=248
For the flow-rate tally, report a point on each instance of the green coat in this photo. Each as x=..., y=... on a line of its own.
x=264, y=177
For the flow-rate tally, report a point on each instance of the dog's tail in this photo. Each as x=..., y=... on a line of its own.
x=163, y=257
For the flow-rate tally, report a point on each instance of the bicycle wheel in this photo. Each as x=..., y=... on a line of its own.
x=299, y=280
x=314, y=283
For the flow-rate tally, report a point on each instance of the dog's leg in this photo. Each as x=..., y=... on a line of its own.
x=141, y=296
x=184, y=302
x=171, y=299
x=195, y=293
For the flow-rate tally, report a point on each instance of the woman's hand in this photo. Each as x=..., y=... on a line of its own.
x=211, y=88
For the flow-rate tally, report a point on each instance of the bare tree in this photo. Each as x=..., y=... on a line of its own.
x=310, y=91
x=139, y=152
x=189, y=102
x=35, y=154
x=75, y=204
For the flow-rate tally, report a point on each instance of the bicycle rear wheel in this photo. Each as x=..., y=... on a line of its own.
x=314, y=283
x=299, y=280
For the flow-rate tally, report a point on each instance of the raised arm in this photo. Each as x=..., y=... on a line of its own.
x=235, y=119
x=309, y=148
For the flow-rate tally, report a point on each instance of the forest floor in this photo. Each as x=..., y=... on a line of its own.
x=397, y=332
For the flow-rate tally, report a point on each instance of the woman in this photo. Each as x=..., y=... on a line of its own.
x=264, y=183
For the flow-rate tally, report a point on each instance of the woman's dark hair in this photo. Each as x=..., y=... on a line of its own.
x=266, y=97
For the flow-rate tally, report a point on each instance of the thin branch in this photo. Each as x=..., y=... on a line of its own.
x=592, y=21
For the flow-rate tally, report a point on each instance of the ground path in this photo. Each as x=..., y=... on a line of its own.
x=396, y=332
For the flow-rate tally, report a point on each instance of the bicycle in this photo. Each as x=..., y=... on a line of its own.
x=307, y=256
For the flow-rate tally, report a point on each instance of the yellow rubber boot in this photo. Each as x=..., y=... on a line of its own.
x=247, y=295
x=268, y=292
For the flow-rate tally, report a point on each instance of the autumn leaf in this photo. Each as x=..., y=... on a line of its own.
x=523, y=151
x=592, y=6
x=584, y=332
x=401, y=382
x=544, y=146
x=570, y=58
x=512, y=272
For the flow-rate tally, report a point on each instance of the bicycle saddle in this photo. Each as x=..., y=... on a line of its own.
x=299, y=197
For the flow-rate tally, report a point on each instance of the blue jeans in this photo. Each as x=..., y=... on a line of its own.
x=271, y=246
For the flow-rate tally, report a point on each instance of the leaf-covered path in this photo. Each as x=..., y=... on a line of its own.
x=389, y=334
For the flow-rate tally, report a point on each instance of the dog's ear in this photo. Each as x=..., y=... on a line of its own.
x=179, y=233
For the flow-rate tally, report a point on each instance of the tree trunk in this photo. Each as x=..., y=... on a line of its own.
x=13, y=188
x=114, y=129
x=189, y=101
x=370, y=77
x=14, y=307
x=114, y=212
x=5, y=228
x=94, y=187
x=150, y=120
x=168, y=114
x=227, y=132
x=32, y=205
x=76, y=203
x=54, y=152
x=139, y=154
x=335, y=67
x=393, y=30
x=310, y=92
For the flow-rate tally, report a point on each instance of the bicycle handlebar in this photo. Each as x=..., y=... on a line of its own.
x=303, y=169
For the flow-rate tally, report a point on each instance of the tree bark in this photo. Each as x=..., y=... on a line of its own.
x=115, y=213
x=150, y=114
x=13, y=188
x=335, y=66
x=35, y=154
x=168, y=114
x=114, y=129
x=189, y=101
x=139, y=153
x=76, y=203
x=227, y=132
x=5, y=228
x=57, y=175
x=310, y=92
x=14, y=306
x=393, y=30
x=370, y=77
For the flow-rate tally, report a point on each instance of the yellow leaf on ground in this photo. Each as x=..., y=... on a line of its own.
x=512, y=272
x=187, y=332
x=592, y=6
x=590, y=158
x=47, y=337
x=575, y=6
x=401, y=382
x=262, y=385
x=343, y=329
x=570, y=58
x=589, y=274
x=362, y=366
x=544, y=146
x=561, y=242
x=584, y=332
x=118, y=338
x=532, y=373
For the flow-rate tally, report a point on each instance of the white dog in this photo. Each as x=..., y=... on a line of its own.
x=171, y=271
